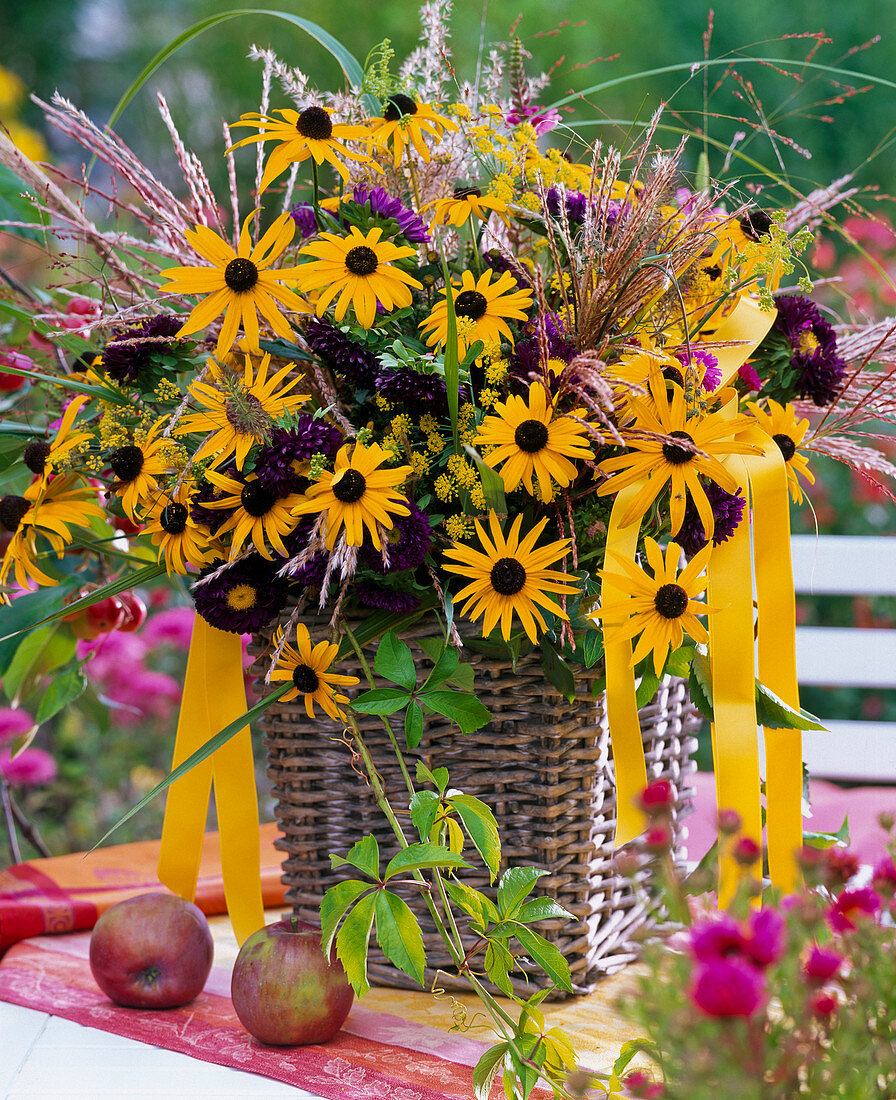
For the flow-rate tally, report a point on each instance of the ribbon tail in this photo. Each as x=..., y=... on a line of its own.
x=622, y=708
x=777, y=656
x=186, y=805
x=735, y=741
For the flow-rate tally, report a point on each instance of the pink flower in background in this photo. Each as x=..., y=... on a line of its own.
x=852, y=906
x=764, y=941
x=821, y=965
x=143, y=693
x=173, y=626
x=31, y=768
x=542, y=121
x=728, y=987
x=13, y=723
x=114, y=655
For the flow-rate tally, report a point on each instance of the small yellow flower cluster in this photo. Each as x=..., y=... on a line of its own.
x=382, y=403
x=488, y=398
x=401, y=426
x=445, y=488
x=113, y=432
x=435, y=443
x=530, y=201
x=496, y=371
x=167, y=392
x=461, y=472
x=459, y=527
x=420, y=463
x=466, y=422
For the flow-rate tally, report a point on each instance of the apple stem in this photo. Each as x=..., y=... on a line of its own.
x=294, y=921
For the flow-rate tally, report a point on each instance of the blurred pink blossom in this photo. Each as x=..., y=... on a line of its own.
x=171, y=627
x=31, y=768
x=13, y=723
x=113, y=655
x=143, y=693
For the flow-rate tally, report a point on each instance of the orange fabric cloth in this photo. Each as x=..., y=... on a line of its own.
x=68, y=893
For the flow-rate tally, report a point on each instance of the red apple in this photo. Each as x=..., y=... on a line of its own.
x=284, y=991
x=152, y=951
x=135, y=612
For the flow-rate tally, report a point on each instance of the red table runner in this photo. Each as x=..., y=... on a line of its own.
x=376, y=1055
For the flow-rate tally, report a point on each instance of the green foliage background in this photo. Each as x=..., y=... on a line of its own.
x=91, y=49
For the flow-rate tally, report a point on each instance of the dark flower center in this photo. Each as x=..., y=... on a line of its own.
x=173, y=518
x=12, y=509
x=315, y=123
x=127, y=462
x=467, y=193
x=671, y=601
x=349, y=487
x=507, y=576
x=673, y=374
x=245, y=414
x=785, y=445
x=240, y=275
x=399, y=104
x=470, y=303
x=305, y=679
x=256, y=499
x=361, y=260
x=531, y=436
x=35, y=456
x=755, y=224
x=675, y=454
x=713, y=271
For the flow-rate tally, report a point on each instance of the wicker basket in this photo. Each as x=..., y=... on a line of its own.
x=544, y=766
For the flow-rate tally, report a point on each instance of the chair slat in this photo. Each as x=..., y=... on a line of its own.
x=840, y=657
x=844, y=564
x=863, y=751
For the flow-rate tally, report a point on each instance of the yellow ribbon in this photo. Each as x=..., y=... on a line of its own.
x=629, y=765
x=745, y=328
x=777, y=655
x=214, y=697
x=731, y=659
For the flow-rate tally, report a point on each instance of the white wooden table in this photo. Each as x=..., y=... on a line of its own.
x=44, y=1057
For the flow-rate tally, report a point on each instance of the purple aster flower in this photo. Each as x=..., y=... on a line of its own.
x=727, y=510
x=718, y=938
x=712, y=376
x=413, y=390
x=125, y=362
x=307, y=437
x=408, y=542
x=526, y=356
x=386, y=599
x=211, y=518
x=499, y=263
x=819, y=368
x=303, y=216
x=576, y=204
x=851, y=907
x=351, y=361
x=382, y=205
x=244, y=598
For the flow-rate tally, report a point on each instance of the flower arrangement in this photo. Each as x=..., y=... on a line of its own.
x=793, y=999
x=470, y=376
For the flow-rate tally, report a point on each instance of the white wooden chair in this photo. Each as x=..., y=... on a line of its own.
x=837, y=657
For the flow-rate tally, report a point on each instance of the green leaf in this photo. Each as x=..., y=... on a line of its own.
x=381, y=701
x=27, y=660
x=700, y=683
x=352, y=941
x=23, y=614
x=130, y=580
x=648, y=687
x=413, y=725
x=492, y=483
x=452, y=366
x=424, y=811
x=458, y=706
x=202, y=753
x=592, y=648
x=774, y=713
x=395, y=662
x=364, y=854
x=335, y=903
x=444, y=668
x=829, y=840
x=515, y=885
x=486, y=1069
x=631, y=1049
x=353, y=72
x=701, y=181
x=541, y=909
x=558, y=672
x=63, y=690
x=114, y=397
x=482, y=829
x=498, y=963
x=417, y=856
x=679, y=661
x=283, y=349
x=399, y=935
x=438, y=778
x=475, y=904
x=546, y=955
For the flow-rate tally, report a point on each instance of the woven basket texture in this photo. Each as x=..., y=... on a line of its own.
x=543, y=764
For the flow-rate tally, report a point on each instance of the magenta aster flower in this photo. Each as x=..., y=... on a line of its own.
x=727, y=987
x=712, y=376
x=764, y=941
x=821, y=965
x=717, y=938
x=13, y=723
x=852, y=906
x=884, y=877
x=31, y=768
